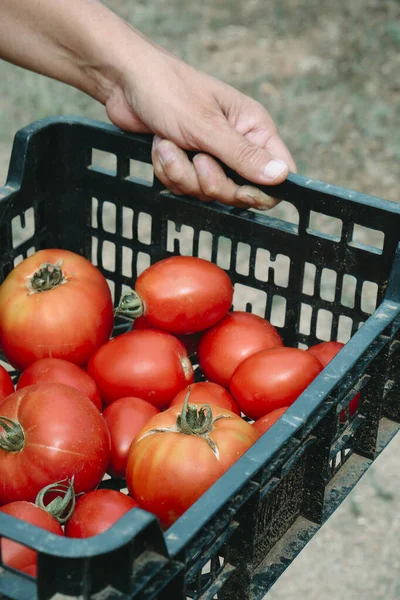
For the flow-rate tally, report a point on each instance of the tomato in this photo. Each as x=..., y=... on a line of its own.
x=54, y=304
x=206, y=392
x=60, y=371
x=150, y=364
x=325, y=352
x=265, y=422
x=180, y=294
x=190, y=341
x=125, y=418
x=16, y=555
x=97, y=511
x=50, y=432
x=272, y=379
x=180, y=453
x=6, y=384
x=238, y=335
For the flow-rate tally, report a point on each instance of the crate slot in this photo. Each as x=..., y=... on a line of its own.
x=309, y=274
x=349, y=285
x=144, y=225
x=109, y=217
x=369, y=296
x=278, y=311
x=305, y=319
x=23, y=227
x=365, y=238
x=328, y=284
x=179, y=238
x=324, y=324
x=285, y=211
x=108, y=255
x=325, y=226
x=224, y=252
x=345, y=327
x=127, y=223
x=266, y=265
x=103, y=162
x=243, y=254
x=245, y=296
x=143, y=261
x=141, y=172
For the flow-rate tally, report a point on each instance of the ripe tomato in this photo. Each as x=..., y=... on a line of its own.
x=269, y=419
x=238, y=335
x=16, y=555
x=97, y=511
x=325, y=352
x=206, y=392
x=6, y=384
x=125, y=418
x=148, y=363
x=180, y=294
x=57, y=370
x=50, y=432
x=54, y=304
x=272, y=379
x=190, y=341
x=180, y=453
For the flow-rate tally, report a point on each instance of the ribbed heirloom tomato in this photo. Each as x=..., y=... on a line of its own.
x=54, y=304
x=180, y=453
x=180, y=294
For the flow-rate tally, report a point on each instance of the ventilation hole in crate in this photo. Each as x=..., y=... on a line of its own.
x=348, y=291
x=205, y=245
x=31, y=250
x=367, y=239
x=345, y=325
x=278, y=311
x=328, y=285
x=95, y=207
x=224, y=252
x=183, y=236
x=144, y=228
x=141, y=171
x=127, y=258
x=95, y=244
x=325, y=226
x=23, y=227
x=264, y=263
x=324, y=325
x=108, y=255
x=103, y=162
x=109, y=216
x=142, y=262
x=305, y=319
x=302, y=346
x=243, y=258
x=369, y=296
x=111, y=285
x=281, y=266
x=309, y=279
x=18, y=259
x=284, y=211
x=247, y=297
x=127, y=222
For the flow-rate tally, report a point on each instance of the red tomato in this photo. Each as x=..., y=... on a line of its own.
x=125, y=418
x=57, y=370
x=16, y=555
x=206, y=392
x=55, y=433
x=6, y=384
x=269, y=419
x=97, y=511
x=190, y=341
x=180, y=294
x=272, y=379
x=234, y=338
x=325, y=352
x=54, y=304
x=169, y=470
x=150, y=364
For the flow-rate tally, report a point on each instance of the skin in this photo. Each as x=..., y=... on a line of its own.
x=146, y=89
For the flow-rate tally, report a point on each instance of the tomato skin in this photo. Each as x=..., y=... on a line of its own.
x=272, y=379
x=64, y=436
x=238, y=335
x=69, y=321
x=325, y=352
x=60, y=371
x=265, y=422
x=97, y=511
x=167, y=472
x=16, y=555
x=190, y=341
x=125, y=418
x=184, y=294
x=149, y=364
x=207, y=392
x=6, y=384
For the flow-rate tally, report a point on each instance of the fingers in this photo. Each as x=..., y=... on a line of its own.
x=203, y=178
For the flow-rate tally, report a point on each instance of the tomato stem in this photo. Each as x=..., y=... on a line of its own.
x=47, y=277
x=61, y=507
x=13, y=438
x=130, y=305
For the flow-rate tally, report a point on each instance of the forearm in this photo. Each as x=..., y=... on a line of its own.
x=79, y=42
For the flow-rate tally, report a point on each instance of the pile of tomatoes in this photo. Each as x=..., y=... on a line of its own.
x=86, y=404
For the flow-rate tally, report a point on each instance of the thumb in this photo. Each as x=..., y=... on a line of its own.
x=250, y=160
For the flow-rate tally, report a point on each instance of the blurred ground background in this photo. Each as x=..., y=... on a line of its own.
x=329, y=74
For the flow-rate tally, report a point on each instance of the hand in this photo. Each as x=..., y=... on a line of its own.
x=189, y=110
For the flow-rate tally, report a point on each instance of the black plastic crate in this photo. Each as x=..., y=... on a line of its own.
x=316, y=268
